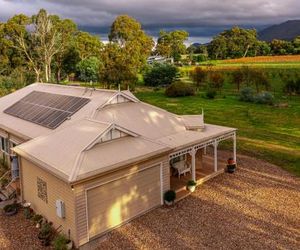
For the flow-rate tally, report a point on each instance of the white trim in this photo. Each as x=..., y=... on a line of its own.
x=215, y=156
x=158, y=164
x=234, y=147
x=161, y=184
x=202, y=145
x=116, y=95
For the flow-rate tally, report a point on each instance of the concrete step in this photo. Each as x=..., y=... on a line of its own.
x=2, y=197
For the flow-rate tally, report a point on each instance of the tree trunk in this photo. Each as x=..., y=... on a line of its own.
x=246, y=52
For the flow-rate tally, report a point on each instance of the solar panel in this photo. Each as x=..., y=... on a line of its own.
x=46, y=109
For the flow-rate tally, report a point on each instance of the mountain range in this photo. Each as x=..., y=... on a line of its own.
x=284, y=31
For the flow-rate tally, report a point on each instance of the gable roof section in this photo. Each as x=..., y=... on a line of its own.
x=67, y=151
x=119, y=97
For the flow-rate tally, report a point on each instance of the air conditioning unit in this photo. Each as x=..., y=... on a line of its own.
x=60, y=209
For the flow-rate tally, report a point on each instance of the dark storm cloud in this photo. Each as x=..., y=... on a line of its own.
x=207, y=16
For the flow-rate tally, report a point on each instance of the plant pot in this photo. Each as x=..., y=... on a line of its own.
x=230, y=161
x=191, y=188
x=231, y=168
x=11, y=212
x=169, y=203
x=69, y=245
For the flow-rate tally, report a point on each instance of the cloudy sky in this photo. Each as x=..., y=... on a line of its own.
x=200, y=17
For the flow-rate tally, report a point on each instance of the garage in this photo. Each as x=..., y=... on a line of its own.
x=113, y=203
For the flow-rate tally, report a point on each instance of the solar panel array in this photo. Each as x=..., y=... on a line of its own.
x=46, y=109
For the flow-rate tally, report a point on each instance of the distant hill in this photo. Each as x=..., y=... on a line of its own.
x=284, y=31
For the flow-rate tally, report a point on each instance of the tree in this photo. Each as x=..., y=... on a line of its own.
x=39, y=38
x=217, y=48
x=67, y=28
x=117, y=67
x=234, y=43
x=216, y=80
x=160, y=75
x=127, y=52
x=171, y=44
x=128, y=34
x=253, y=76
x=88, y=69
x=296, y=44
x=199, y=76
x=88, y=45
x=20, y=39
x=281, y=47
x=238, y=78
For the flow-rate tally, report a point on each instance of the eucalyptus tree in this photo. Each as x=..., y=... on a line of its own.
x=40, y=38
x=126, y=53
x=171, y=44
x=87, y=45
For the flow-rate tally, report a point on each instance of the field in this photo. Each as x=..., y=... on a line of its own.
x=277, y=68
x=265, y=132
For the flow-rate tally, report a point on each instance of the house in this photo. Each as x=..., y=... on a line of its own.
x=90, y=160
x=159, y=59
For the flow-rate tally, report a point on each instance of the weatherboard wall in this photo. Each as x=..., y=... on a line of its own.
x=56, y=189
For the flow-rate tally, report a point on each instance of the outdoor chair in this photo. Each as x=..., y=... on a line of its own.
x=182, y=167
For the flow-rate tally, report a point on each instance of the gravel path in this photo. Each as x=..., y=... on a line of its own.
x=17, y=233
x=258, y=207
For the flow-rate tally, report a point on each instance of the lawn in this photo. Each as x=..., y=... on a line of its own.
x=264, y=131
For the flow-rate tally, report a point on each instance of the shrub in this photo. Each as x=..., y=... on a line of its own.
x=191, y=183
x=179, y=88
x=88, y=69
x=37, y=218
x=292, y=87
x=264, y=98
x=60, y=242
x=160, y=75
x=247, y=95
x=170, y=196
x=211, y=94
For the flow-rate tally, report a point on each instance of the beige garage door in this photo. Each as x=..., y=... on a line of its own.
x=116, y=202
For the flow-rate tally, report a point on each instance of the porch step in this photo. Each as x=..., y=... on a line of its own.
x=182, y=194
x=210, y=176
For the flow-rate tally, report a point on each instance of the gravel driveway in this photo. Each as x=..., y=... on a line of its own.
x=258, y=207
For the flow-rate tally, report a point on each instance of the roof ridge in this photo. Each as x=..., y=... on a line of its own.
x=78, y=160
x=74, y=87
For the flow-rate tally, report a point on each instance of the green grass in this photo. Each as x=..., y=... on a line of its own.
x=265, y=132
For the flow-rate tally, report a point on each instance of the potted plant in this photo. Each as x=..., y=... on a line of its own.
x=62, y=242
x=37, y=218
x=191, y=185
x=230, y=161
x=169, y=197
x=231, y=168
x=11, y=209
x=45, y=234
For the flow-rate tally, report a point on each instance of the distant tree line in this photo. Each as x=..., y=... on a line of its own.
x=238, y=42
x=47, y=48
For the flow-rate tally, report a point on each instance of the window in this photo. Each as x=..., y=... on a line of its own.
x=4, y=146
x=42, y=190
x=112, y=134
